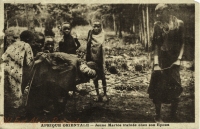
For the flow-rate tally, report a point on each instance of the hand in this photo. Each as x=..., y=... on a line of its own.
x=156, y=67
x=38, y=62
x=41, y=57
x=92, y=72
x=177, y=62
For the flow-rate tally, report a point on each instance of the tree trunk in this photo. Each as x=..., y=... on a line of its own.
x=148, y=35
x=144, y=27
x=140, y=36
x=7, y=24
x=142, y=33
x=17, y=24
x=6, y=20
x=30, y=18
x=120, y=25
x=115, y=24
x=133, y=29
x=102, y=22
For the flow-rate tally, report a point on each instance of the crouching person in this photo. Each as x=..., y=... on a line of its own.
x=55, y=77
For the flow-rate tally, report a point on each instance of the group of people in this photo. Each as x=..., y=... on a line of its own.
x=26, y=51
x=168, y=47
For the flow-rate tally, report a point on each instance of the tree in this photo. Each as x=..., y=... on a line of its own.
x=20, y=13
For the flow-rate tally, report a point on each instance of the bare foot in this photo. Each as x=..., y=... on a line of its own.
x=105, y=98
x=158, y=119
x=96, y=98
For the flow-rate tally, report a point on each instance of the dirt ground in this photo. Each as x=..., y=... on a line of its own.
x=124, y=105
x=128, y=101
x=130, y=106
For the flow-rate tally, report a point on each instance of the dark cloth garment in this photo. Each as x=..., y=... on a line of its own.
x=54, y=77
x=95, y=52
x=69, y=44
x=171, y=41
x=165, y=86
x=59, y=68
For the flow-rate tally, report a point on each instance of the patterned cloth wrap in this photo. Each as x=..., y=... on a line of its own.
x=17, y=58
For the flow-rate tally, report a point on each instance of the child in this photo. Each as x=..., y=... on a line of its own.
x=68, y=44
x=95, y=53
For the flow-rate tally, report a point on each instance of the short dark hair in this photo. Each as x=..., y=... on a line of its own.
x=27, y=36
x=65, y=23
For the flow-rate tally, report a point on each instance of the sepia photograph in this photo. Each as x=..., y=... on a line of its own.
x=112, y=64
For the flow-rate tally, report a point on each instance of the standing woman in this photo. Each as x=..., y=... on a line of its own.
x=168, y=46
x=68, y=44
x=17, y=57
x=95, y=53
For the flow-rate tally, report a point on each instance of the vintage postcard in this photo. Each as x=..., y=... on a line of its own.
x=99, y=64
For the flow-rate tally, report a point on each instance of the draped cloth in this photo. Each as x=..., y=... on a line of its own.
x=95, y=51
x=61, y=69
x=57, y=74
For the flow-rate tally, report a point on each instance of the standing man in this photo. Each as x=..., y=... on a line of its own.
x=168, y=46
x=95, y=53
x=68, y=44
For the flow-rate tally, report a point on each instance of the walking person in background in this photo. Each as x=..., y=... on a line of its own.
x=18, y=59
x=168, y=46
x=68, y=44
x=95, y=53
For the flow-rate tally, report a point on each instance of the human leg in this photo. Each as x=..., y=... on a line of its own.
x=104, y=86
x=173, y=113
x=96, y=98
x=158, y=113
